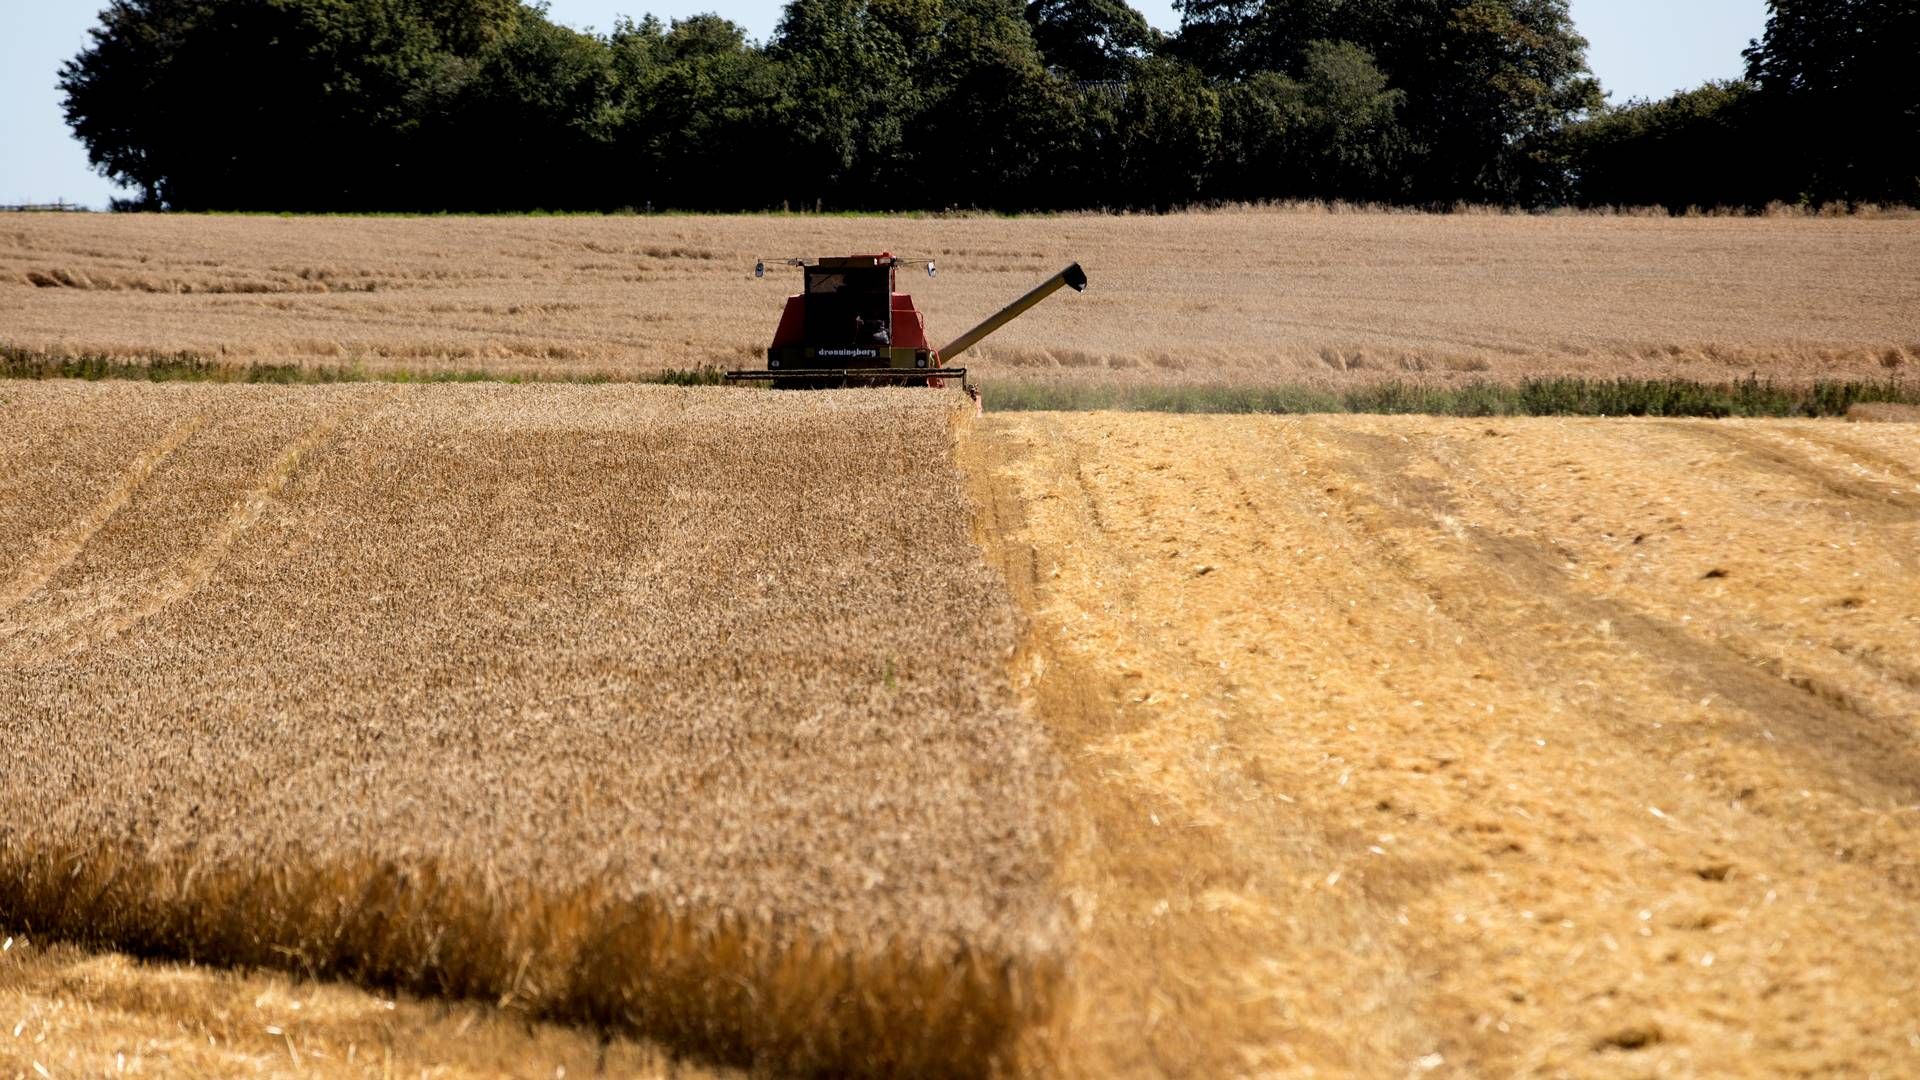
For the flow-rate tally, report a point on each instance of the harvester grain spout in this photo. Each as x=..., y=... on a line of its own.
x=1072, y=275
x=850, y=326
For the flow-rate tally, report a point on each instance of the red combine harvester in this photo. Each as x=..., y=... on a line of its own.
x=850, y=326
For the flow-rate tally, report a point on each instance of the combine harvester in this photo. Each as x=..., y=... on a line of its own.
x=850, y=326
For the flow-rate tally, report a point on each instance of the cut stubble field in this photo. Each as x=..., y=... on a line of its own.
x=1254, y=299
x=1514, y=747
x=73, y=1012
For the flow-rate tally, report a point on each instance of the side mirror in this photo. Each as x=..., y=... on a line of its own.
x=760, y=268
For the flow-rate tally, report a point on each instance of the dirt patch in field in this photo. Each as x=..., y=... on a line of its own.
x=1475, y=748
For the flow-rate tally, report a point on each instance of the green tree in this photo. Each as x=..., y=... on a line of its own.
x=247, y=103
x=1506, y=78
x=119, y=93
x=850, y=97
x=1487, y=84
x=1352, y=141
x=1090, y=39
x=486, y=104
x=539, y=103
x=995, y=126
x=1694, y=149
x=696, y=116
x=1333, y=133
x=1167, y=134
x=1235, y=39
x=1838, y=93
x=267, y=104
x=1262, y=119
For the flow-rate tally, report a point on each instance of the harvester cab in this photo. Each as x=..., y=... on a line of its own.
x=851, y=326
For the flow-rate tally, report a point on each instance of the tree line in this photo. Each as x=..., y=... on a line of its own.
x=355, y=105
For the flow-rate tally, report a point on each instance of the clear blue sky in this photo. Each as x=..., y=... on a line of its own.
x=1640, y=48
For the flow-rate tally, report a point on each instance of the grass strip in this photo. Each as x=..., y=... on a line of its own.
x=1750, y=397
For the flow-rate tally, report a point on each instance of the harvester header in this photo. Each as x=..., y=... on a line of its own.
x=851, y=326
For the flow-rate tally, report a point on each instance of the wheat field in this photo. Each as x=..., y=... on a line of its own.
x=485, y=730
x=849, y=733
x=682, y=714
x=1252, y=298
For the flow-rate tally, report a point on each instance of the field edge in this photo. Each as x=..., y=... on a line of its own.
x=716, y=988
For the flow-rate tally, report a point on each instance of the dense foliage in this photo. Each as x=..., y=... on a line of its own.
x=895, y=104
x=1828, y=113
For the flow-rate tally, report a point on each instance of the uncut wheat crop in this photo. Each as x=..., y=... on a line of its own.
x=1298, y=297
x=679, y=713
